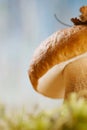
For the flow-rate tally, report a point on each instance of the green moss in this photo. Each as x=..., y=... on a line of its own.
x=72, y=115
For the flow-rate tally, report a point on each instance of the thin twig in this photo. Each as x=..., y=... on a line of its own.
x=61, y=21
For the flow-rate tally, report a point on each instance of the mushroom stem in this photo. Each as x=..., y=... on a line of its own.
x=75, y=77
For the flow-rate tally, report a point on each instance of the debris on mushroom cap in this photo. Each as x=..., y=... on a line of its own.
x=83, y=16
x=82, y=20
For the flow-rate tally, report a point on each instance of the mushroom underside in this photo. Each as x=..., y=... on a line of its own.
x=63, y=78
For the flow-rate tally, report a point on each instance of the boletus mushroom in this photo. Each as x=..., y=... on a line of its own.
x=59, y=66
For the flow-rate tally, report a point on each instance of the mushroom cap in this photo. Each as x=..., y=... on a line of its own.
x=61, y=46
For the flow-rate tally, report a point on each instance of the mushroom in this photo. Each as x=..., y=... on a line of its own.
x=58, y=66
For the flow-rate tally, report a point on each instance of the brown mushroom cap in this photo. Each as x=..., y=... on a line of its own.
x=61, y=46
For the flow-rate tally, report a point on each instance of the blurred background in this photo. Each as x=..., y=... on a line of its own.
x=24, y=24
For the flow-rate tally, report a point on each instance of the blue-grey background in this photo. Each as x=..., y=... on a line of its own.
x=24, y=24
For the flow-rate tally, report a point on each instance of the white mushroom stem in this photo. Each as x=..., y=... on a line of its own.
x=75, y=77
